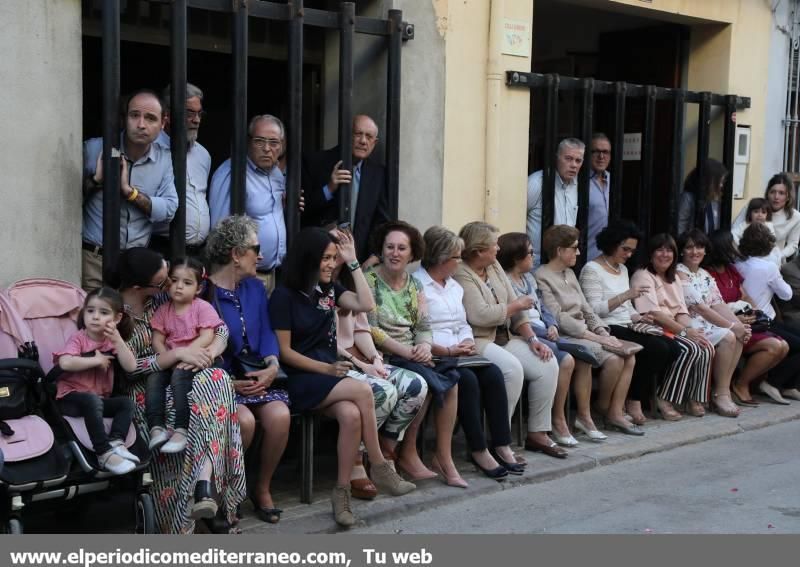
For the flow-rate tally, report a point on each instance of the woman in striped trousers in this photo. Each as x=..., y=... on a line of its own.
x=663, y=304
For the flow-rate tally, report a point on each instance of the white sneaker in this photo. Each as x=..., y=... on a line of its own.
x=119, y=448
x=177, y=442
x=158, y=436
x=772, y=393
x=114, y=463
x=793, y=393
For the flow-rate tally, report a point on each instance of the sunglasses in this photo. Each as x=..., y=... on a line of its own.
x=255, y=248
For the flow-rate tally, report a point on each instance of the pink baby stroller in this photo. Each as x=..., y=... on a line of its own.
x=36, y=466
x=49, y=308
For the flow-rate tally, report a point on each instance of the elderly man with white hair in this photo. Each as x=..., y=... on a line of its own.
x=569, y=159
x=265, y=187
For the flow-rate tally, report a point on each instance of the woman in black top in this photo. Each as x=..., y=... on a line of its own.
x=302, y=313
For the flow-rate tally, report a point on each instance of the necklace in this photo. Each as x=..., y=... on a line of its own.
x=616, y=270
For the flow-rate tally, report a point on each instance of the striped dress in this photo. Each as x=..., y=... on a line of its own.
x=213, y=433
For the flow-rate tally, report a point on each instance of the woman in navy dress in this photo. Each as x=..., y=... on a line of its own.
x=302, y=313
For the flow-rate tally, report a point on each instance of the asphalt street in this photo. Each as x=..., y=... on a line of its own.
x=745, y=483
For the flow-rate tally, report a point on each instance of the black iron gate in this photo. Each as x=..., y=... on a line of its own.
x=296, y=17
x=589, y=88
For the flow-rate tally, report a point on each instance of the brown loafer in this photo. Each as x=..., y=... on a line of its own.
x=552, y=450
x=363, y=489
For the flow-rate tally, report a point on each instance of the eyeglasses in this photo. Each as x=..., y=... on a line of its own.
x=601, y=153
x=264, y=142
x=255, y=248
x=573, y=247
x=530, y=252
x=164, y=283
x=192, y=114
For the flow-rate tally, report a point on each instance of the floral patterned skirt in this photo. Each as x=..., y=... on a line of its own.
x=213, y=433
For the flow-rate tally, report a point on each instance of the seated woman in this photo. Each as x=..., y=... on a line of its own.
x=401, y=328
x=399, y=393
x=605, y=284
x=663, y=303
x=238, y=296
x=764, y=350
x=302, y=311
x=762, y=281
x=212, y=461
x=711, y=315
x=562, y=295
x=504, y=336
x=452, y=337
x=516, y=258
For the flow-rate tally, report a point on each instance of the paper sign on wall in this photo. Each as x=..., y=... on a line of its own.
x=516, y=38
x=632, y=147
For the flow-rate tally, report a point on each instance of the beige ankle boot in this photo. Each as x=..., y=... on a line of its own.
x=389, y=481
x=340, y=501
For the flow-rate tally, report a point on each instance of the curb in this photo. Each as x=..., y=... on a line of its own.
x=661, y=436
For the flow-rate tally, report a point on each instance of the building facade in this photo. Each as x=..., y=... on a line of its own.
x=468, y=141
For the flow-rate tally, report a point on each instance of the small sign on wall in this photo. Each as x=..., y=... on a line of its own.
x=516, y=38
x=632, y=147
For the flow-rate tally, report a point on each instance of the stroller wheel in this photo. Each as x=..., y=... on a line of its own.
x=14, y=526
x=145, y=514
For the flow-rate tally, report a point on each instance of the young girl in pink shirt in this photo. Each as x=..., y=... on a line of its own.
x=84, y=390
x=186, y=320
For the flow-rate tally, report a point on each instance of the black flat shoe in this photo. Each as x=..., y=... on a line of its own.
x=498, y=473
x=269, y=515
x=218, y=524
x=204, y=506
x=512, y=468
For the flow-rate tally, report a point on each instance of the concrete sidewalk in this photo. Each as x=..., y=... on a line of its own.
x=660, y=436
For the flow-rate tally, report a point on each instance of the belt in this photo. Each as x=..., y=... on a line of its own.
x=93, y=248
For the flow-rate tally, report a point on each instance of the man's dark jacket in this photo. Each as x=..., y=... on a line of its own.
x=372, y=208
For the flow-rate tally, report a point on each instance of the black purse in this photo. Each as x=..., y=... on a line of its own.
x=246, y=362
x=762, y=322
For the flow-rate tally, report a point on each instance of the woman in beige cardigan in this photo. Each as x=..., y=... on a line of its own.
x=503, y=335
x=563, y=297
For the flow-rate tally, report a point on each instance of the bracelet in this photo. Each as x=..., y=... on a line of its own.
x=353, y=266
x=133, y=195
x=531, y=339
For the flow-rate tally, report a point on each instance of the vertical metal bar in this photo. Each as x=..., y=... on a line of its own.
x=728, y=158
x=617, y=146
x=796, y=84
x=676, y=171
x=239, y=142
x=111, y=165
x=703, y=138
x=295, y=141
x=648, y=147
x=587, y=112
x=550, y=146
x=178, y=142
x=347, y=21
x=393, y=110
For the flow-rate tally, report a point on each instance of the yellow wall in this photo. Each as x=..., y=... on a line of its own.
x=729, y=49
x=465, y=26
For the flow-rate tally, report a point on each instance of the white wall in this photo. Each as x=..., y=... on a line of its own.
x=776, y=92
x=40, y=152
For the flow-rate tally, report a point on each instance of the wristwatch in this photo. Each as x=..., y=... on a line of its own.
x=682, y=333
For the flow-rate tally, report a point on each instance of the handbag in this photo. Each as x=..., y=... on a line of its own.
x=762, y=322
x=246, y=362
x=646, y=329
x=472, y=361
x=13, y=395
x=626, y=349
x=579, y=352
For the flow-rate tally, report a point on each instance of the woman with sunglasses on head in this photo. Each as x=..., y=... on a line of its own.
x=238, y=296
x=209, y=474
x=303, y=314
